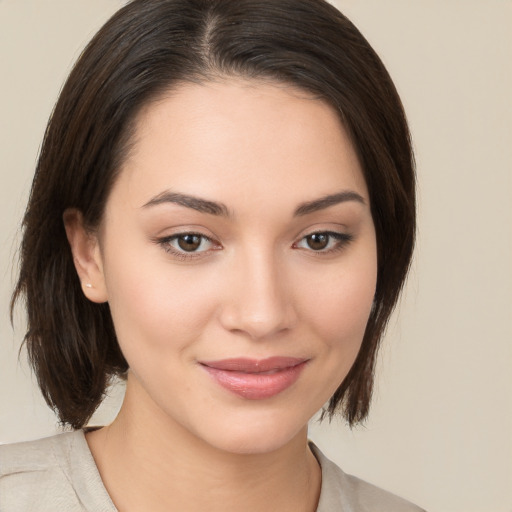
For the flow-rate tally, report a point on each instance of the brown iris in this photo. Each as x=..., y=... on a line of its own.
x=189, y=243
x=317, y=241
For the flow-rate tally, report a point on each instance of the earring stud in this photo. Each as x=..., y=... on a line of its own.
x=88, y=285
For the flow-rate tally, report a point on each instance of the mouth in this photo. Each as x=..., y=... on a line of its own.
x=254, y=379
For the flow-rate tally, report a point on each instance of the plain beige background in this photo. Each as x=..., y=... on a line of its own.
x=440, y=432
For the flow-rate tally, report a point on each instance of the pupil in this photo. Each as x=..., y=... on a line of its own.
x=318, y=241
x=189, y=242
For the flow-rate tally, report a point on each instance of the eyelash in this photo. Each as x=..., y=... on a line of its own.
x=341, y=241
x=183, y=255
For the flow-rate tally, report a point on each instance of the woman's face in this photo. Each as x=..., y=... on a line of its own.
x=238, y=257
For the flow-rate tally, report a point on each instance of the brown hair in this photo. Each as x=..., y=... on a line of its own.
x=146, y=48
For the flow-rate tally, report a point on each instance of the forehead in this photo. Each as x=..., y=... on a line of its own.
x=239, y=139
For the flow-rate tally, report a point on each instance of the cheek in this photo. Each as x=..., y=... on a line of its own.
x=339, y=315
x=341, y=302
x=154, y=305
x=343, y=313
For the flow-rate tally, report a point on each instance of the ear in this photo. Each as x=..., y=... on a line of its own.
x=86, y=256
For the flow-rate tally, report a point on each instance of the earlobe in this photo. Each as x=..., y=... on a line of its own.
x=86, y=256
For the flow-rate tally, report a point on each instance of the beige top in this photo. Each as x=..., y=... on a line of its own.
x=59, y=474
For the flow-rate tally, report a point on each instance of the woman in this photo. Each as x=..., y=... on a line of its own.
x=223, y=214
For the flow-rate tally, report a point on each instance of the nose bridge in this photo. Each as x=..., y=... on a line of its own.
x=258, y=301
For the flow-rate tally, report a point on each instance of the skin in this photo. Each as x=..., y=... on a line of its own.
x=254, y=288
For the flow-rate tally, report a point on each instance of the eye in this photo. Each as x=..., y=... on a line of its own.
x=190, y=242
x=324, y=241
x=187, y=245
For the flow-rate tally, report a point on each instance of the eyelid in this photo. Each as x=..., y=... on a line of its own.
x=342, y=240
x=165, y=243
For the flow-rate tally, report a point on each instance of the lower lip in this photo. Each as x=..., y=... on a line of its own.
x=257, y=386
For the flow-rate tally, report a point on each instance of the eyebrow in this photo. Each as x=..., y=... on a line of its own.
x=195, y=203
x=220, y=209
x=327, y=201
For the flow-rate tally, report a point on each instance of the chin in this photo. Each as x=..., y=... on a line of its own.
x=251, y=445
x=255, y=437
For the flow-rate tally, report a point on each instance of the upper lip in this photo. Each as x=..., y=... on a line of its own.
x=246, y=365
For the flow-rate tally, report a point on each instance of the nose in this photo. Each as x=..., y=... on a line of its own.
x=258, y=300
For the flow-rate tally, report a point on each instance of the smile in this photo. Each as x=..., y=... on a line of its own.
x=256, y=379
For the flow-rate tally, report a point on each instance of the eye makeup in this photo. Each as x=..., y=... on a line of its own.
x=189, y=245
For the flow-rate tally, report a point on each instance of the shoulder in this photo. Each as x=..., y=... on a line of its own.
x=341, y=491
x=33, y=455
x=33, y=473
x=54, y=473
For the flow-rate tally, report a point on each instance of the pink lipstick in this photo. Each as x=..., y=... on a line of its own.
x=256, y=379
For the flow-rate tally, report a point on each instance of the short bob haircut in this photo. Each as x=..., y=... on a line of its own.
x=146, y=49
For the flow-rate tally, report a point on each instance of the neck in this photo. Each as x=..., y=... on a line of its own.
x=148, y=462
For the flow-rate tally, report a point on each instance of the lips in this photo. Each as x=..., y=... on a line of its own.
x=255, y=379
